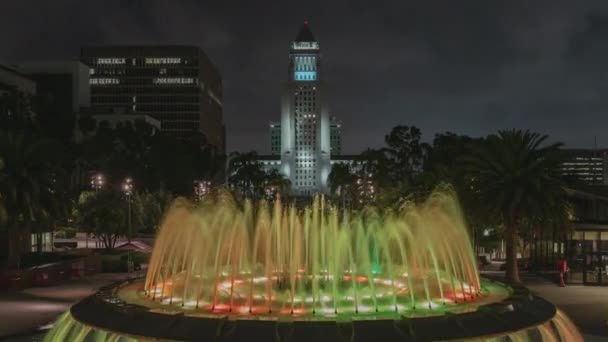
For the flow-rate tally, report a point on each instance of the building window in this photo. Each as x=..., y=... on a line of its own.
x=104, y=81
x=173, y=80
x=110, y=61
x=163, y=60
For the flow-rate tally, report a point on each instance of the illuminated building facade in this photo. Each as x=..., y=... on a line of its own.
x=586, y=166
x=335, y=137
x=307, y=141
x=301, y=140
x=305, y=146
x=177, y=85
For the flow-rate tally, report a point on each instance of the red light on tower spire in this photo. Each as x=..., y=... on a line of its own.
x=305, y=22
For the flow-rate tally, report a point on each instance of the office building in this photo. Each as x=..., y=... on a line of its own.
x=335, y=137
x=62, y=92
x=177, y=85
x=586, y=165
x=12, y=80
x=275, y=138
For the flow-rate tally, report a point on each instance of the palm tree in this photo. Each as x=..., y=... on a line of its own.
x=30, y=185
x=516, y=175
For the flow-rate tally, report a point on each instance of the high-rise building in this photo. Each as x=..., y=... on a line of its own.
x=275, y=138
x=177, y=85
x=63, y=92
x=335, y=136
x=13, y=80
x=306, y=139
x=305, y=145
x=586, y=165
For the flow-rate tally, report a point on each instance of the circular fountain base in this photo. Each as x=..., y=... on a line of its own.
x=106, y=316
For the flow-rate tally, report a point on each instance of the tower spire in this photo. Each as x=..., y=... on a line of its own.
x=305, y=35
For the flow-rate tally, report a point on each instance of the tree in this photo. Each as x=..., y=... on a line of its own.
x=154, y=161
x=148, y=209
x=406, y=152
x=246, y=173
x=515, y=174
x=395, y=168
x=342, y=182
x=443, y=164
x=31, y=187
x=103, y=214
x=16, y=111
x=277, y=183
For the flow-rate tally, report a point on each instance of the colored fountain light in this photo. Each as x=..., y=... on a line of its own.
x=271, y=264
x=221, y=258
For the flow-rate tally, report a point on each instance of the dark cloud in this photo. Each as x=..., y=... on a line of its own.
x=469, y=66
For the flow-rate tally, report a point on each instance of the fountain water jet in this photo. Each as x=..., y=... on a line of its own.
x=269, y=259
x=273, y=268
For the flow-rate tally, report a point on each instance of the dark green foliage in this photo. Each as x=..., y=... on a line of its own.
x=515, y=175
x=103, y=214
x=32, y=184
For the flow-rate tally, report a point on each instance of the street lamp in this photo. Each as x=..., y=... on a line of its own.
x=201, y=189
x=271, y=192
x=97, y=183
x=127, y=187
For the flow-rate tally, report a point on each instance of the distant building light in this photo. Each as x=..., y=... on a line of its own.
x=174, y=80
x=305, y=75
x=163, y=60
x=305, y=46
x=104, y=81
x=110, y=61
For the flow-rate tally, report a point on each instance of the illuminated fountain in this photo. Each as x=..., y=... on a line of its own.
x=226, y=271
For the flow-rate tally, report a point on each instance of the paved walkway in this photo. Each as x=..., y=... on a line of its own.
x=23, y=312
x=587, y=306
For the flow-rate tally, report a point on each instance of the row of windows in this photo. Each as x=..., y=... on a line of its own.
x=305, y=98
x=184, y=125
x=157, y=81
x=305, y=63
x=176, y=116
x=152, y=89
x=141, y=72
x=140, y=61
x=146, y=99
x=306, y=91
x=305, y=76
x=153, y=108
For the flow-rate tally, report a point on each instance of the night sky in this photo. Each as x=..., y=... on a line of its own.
x=470, y=67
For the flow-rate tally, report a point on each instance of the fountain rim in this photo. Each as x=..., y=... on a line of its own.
x=104, y=310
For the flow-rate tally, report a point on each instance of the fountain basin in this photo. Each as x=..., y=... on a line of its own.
x=107, y=316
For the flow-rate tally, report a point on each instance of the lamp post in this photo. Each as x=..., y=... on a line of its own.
x=97, y=182
x=201, y=189
x=127, y=187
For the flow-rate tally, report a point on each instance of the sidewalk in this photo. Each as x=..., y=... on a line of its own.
x=22, y=312
x=587, y=306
